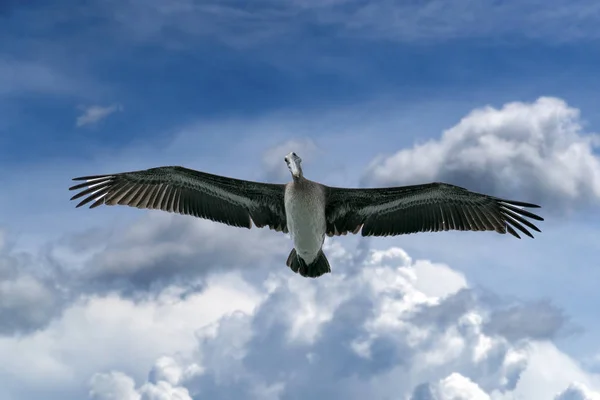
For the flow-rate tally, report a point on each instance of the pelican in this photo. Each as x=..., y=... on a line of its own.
x=308, y=210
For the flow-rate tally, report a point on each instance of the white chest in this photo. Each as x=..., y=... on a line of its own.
x=305, y=213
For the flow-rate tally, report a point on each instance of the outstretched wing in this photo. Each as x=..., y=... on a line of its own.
x=185, y=191
x=431, y=207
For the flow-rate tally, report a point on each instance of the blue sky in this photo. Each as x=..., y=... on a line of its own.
x=358, y=88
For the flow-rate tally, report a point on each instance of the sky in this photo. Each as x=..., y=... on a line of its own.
x=117, y=303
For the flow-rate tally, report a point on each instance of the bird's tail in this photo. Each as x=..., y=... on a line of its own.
x=315, y=269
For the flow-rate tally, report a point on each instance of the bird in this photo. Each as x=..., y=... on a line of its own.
x=307, y=210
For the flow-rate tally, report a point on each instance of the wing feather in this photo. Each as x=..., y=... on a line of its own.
x=431, y=207
x=185, y=191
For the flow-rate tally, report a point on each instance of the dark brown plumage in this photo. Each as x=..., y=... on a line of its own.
x=430, y=207
x=181, y=190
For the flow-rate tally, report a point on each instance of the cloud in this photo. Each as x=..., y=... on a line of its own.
x=160, y=249
x=370, y=334
x=426, y=21
x=538, y=320
x=100, y=334
x=537, y=151
x=116, y=385
x=29, y=298
x=578, y=391
x=438, y=20
x=163, y=384
x=383, y=325
x=113, y=385
x=179, y=23
x=226, y=22
x=454, y=387
x=94, y=114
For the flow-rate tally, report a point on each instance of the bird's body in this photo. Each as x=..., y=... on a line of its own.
x=305, y=217
x=308, y=210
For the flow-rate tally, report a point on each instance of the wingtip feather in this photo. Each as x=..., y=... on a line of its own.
x=510, y=230
x=91, y=177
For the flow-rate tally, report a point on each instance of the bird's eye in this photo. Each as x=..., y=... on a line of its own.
x=294, y=154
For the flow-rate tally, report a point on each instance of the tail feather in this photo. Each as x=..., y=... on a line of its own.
x=315, y=269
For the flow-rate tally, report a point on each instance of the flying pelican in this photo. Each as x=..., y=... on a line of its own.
x=308, y=210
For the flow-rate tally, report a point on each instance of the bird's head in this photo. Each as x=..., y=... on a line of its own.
x=293, y=162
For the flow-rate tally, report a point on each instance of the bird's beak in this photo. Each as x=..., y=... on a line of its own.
x=295, y=169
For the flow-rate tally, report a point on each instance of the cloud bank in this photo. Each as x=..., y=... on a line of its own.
x=391, y=331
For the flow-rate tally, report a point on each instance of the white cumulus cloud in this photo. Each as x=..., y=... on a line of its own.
x=110, y=335
x=453, y=387
x=388, y=331
x=113, y=386
x=538, y=150
x=384, y=325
